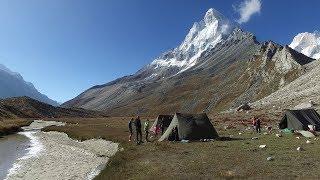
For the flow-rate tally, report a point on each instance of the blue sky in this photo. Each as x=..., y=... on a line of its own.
x=66, y=46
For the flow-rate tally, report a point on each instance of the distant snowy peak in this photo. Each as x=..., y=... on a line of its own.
x=203, y=35
x=308, y=44
x=12, y=84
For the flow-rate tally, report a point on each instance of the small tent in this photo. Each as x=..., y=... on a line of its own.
x=161, y=119
x=244, y=107
x=300, y=119
x=190, y=127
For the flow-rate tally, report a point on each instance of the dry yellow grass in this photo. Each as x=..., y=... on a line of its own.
x=12, y=126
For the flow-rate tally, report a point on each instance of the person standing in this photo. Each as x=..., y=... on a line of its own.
x=146, y=129
x=258, y=125
x=130, y=124
x=254, y=123
x=162, y=126
x=137, y=123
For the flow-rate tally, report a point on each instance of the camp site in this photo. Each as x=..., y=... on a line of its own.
x=159, y=89
x=218, y=146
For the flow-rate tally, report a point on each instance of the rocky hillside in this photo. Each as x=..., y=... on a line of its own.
x=12, y=84
x=298, y=93
x=227, y=68
x=25, y=107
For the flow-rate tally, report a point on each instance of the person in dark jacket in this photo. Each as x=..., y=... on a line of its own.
x=137, y=123
x=258, y=125
x=162, y=126
x=130, y=124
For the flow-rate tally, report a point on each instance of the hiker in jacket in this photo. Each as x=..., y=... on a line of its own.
x=254, y=123
x=146, y=129
x=137, y=123
x=258, y=125
x=162, y=127
x=130, y=124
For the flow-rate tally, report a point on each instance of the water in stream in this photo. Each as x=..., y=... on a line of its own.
x=12, y=147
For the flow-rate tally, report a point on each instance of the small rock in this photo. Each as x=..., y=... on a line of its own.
x=270, y=158
x=254, y=138
x=300, y=149
x=240, y=133
x=316, y=139
x=298, y=137
x=308, y=142
x=121, y=149
x=265, y=133
x=278, y=135
x=185, y=141
x=262, y=146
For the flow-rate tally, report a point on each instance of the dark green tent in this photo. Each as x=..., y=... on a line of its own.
x=191, y=127
x=300, y=119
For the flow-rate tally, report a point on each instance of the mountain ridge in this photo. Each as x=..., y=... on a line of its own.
x=237, y=69
x=26, y=107
x=14, y=85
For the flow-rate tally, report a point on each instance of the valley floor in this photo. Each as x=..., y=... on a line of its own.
x=235, y=156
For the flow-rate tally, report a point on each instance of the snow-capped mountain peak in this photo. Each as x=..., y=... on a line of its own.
x=213, y=15
x=307, y=43
x=203, y=35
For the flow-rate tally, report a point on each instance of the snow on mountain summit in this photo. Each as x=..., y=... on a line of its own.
x=203, y=35
x=307, y=43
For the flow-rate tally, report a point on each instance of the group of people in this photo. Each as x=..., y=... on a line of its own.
x=256, y=123
x=138, y=128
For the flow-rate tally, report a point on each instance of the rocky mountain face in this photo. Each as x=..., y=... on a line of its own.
x=298, y=93
x=13, y=85
x=308, y=44
x=305, y=89
x=218, y=66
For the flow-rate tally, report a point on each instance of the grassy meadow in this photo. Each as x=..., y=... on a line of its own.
x=233, y=156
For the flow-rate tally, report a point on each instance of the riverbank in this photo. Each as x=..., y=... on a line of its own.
x=12, y=126
x=53, y=155
x=12, y=147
